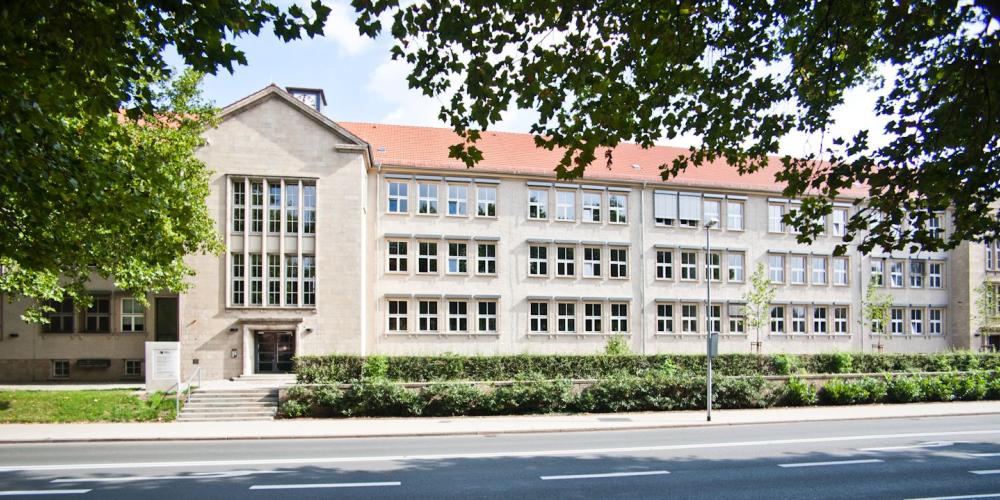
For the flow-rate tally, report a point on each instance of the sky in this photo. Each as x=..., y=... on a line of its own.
x=363, y=84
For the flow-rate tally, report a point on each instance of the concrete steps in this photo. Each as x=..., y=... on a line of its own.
x=250, y=403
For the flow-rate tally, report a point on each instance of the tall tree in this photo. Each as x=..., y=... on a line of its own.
x=741, y=75
x=758, y=298
x=86, y=189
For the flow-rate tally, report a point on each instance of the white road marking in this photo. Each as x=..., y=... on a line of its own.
x=197, y=475
x=837, y=462
x=42, y=492
x=320, y=485
x=959, y=497
x=984, y=455
x=930, y=444
x=607, y=474
x=498, y=454
x=985, y=472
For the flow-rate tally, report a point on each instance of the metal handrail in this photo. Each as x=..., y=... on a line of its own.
x=186, y=391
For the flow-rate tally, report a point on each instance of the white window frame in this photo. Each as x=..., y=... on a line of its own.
x=664, y=317
x=896, y=321
x=565, y=266
x=291, y=263
x=916, y=321
x=486, y=201
x=776, y=268
x=619, y=317
x=458, y=200
x=133, y=316
x=935, y=326
x=566, y=317
x=591, y=210
x=486, y=258
x=878, y=271
x=486, y=316
x=458, y=261
x=256, y=206
x=777, y=320
x=618, y=262
x=893, y=275
x=427, y=316
x=565, y=206
x=798, y=319
x=593, y=317
x=256, y=279
x=538, y=317
x=839, y=221
x=60, y=368
x=689, y=205
x=841, y=271
x=538, y=209
x=238, y=274
x=239, y=210
x=735, y=267
x=821, y=320
x=425, y=260
x=592, y=257
x=308, y=280
x=714, y=213
x=665, y=209
x=935, y=275
x=775, y=218
x=397, y=316
x=841, y=320
x=665, y=265
x=797, y=275
x=427, y=200
x=398, y=192
x=292, y=194
x=689, y=268
x=398, y=257
x=617, y=208
x=274, y=265
x=819, y=270
x=689, y=322
x=713, y=264
x=918, y=269
x=538, y=260
x=714, y=319
x=458, y=316
x=735, y=219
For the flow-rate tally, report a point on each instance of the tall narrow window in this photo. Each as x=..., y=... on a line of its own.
x=309, y=209
x=618, y=262
x=308, y=280
x=399, y=198
x=539, y=317
x=133, y=315
x=292, y=208
x=840, y=271
x=428, y=202
x=714, y=266
x=664, y=264
x=715, y=319
x=664, y=318
x=486, y=258
x=798, y=319
x=935, y=321
x=819, y=270
x=664, y=208
x=934, y=226
x=736, y=318
x=238, y=275
x=397, y=257
x=617, y=208
x=896, y=321
x=486, y=201
x=239, y=205
x=896, y=274
x=619, y=318
x=591, y=207
x=840, y=320
x=734, y=266
x=291, y=280
x=487, y=316
x=916, y=321
x=819, y=319
x=98, y=316
x=776, y=268
x=566, y=317
x=274, y=207
x=689, y=210
x=427, y=316
x=256, y=207
x=591, y=262
x=934, y=275
x=427, y=258
x=458, y=258
x=713, y=211
x=777, y=319
x=458, y=200
x=917, y=274
x=538, y=204
x=689, y=265
x=458, y=316
x=538, y=261
x=689, y=318
x=565, y=205
x=734, y=215
x=397, y=316
x=839, y=221
x=256, y=279
x=878, y=272
x=797, y=269
x=775, y=218
x=592, y=318
x=273, y=279
x=565, y=261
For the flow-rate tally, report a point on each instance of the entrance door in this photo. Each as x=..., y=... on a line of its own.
x=993, y=343
x=274, y=351
x=166, y=319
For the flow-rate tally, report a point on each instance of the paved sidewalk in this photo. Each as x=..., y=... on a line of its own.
x=429, y=426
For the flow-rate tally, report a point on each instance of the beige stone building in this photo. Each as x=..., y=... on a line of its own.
x=366, y=238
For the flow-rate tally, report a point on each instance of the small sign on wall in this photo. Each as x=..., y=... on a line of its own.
x=163, y=366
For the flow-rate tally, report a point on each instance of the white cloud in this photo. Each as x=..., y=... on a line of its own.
x=341, y=29
x=388, y=84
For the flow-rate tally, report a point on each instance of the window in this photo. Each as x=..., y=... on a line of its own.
x=715, y=318
x=256, y=279
x=486, y=201
x=736, y=318
x=539, y=317
x=591, y=207
x=689, y=318
x=734, y=215
x=734, y=266
x=896, y=274
x=934, y=274
x=458, y=260
x=840, y=321
x=819, y=319
x=273, y=280
x=565, y=205
x=989, y=254
x=713, y=211
x=292, y=208
x=427, y=257
x=916, y=321
x=309, y=209
x=935, y=320
x=618, y=262
x=397, y=257
x=689, y=209
x=819, y=270
x=839, y=221
x=591, y=262
x=397, y=316
x=98, y=315
x=798, y=319
x=775, y=218
x=427, y=316
x=458, y=200
x=714, y=266
x=664, y=208
x=274, y=207
x=256, y=207
x=399, y=197
x=566, y=317
x=486, y=258
x=538, y=261
x=592, y=318
x=60, y=368
x=133, y=367
x=565, y=261
x=878, y=272
x=934, y=226
x=664, y=318
x=308, y=280
x=896, y=321
x=538, y=204
x=619, y=318
x=664, y=264
x=427, y=199
x=917, y=274
x=840, y=270
x=133, y=315
x=239, y=205
x=777, y=319
x=458, y=316
x=291, y=280
x=617, y=208
x=797, y=269
x=487, y=317
x=776, y=268
x=689, y=265
x=238, y=278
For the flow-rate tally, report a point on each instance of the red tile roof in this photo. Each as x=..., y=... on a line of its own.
x=511, y=153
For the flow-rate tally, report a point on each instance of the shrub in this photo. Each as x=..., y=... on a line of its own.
x=970, y=387
x=375, y=367
x=381, y=398
x=852, y=392
x=993, y=386
x=936, y=388
x=842, y=362
x=743, y=392
x=294, y=408
x=903, y=390
x=614, y=394
x=531, y=394
x=450, y=399
x=797, y=392
x=617, y=346
x=786, y=364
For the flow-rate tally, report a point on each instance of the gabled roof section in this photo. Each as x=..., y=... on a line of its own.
x=273, y=91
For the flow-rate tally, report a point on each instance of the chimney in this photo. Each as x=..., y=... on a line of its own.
x=314, y=98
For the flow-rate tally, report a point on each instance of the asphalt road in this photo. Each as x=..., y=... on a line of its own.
x=942, y=457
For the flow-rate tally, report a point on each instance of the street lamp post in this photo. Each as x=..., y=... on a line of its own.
x=708, y=309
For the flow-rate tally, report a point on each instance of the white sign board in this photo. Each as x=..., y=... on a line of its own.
x=163, y=366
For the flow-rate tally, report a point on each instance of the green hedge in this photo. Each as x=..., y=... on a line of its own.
x=655, y=391
x=341, y=368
